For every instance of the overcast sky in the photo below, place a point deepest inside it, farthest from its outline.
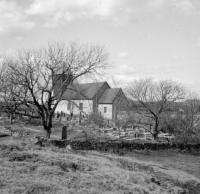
(145, 38)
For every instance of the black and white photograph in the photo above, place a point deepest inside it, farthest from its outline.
(99, 97)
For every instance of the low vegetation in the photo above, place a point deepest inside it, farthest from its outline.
(27, 168)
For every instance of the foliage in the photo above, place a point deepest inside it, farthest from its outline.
(97, 119)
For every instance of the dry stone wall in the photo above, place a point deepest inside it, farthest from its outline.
(117, 146)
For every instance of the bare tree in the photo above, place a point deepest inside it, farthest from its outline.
(47, 72)
(11, 104)
(11, 95)
(188, 117)
(151, 100)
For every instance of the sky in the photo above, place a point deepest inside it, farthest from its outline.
(145, 38)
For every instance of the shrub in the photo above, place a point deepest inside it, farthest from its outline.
(19, 157)
(121, 146)
(97, 119)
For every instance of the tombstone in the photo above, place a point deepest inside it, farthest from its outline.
(64, 132)
(80, 119)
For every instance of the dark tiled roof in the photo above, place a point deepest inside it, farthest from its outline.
(82, 91)
(109, 95)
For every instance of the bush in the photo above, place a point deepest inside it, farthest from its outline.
(20, 157)
(97, 119)
(118, 146)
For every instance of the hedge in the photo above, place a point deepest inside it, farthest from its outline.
(115, 146)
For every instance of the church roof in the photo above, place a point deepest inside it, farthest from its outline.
(82, 91)
(109, 96)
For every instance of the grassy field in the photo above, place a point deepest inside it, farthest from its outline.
(30, 169)
(26, 168)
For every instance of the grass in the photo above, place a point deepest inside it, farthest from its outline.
(29, 169)
(182, 161)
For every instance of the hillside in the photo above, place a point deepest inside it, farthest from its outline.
(29, 169)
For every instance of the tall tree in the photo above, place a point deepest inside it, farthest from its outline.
(151, 100)
(47, 72)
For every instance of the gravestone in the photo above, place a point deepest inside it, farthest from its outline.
(64, 132)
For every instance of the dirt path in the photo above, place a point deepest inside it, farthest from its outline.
(39, 131)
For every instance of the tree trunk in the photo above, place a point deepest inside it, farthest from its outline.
(48, 134)
(155, 132)
(47, 124)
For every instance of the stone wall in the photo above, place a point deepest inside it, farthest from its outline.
(117, 146)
